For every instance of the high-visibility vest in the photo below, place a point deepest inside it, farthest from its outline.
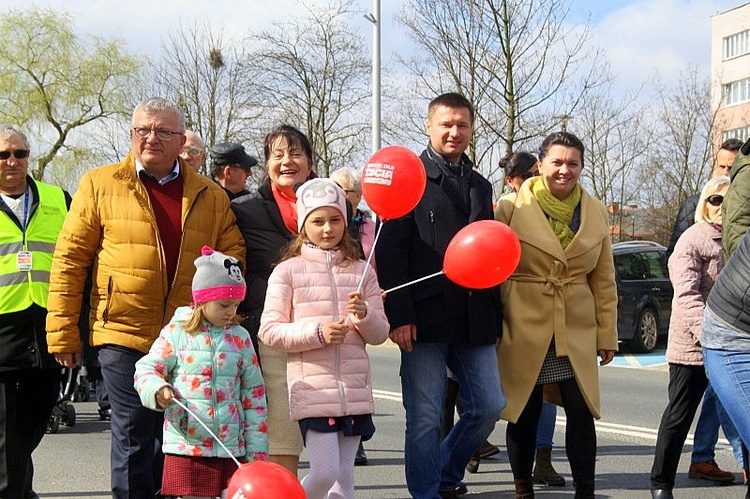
(20, 288)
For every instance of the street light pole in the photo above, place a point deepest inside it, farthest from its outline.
(374, 18)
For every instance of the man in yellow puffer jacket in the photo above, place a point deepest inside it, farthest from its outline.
(138, 225)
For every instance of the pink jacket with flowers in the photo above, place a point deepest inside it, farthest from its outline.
(215, 373)
(312, 289)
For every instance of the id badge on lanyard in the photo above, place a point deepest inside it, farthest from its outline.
(24, 261)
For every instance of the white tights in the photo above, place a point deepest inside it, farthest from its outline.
(223, 496)
(331, 465)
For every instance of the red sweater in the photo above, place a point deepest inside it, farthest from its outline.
(166, 201)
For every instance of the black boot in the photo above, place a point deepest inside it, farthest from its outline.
(543, 471)
(585, 490)
(524, 488)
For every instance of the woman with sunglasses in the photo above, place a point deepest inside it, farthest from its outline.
(693, 268)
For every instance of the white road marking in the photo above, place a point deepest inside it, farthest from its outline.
(648, 434)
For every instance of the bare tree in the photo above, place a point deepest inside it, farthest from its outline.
(209, 76)
(680, 154)
(520, 64)
(55, 82)
(313, 73)
(617, 138)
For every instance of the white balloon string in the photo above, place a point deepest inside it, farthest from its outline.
(413, 282)
(369, 257)
(350, 317)
(195, 416)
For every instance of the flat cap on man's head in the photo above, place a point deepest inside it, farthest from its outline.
(229, 153)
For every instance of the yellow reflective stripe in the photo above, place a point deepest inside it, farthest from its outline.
(11, 248)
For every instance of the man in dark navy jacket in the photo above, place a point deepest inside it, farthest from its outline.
(437, 323)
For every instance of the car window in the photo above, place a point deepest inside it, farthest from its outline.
(656, 264)
(629, 266)
(641, 265)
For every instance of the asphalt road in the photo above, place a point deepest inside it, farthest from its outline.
(74, 463)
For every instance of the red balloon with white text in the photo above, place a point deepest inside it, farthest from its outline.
(393, 182)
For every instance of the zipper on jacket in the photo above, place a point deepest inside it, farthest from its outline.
(340, 386)
(432, 227)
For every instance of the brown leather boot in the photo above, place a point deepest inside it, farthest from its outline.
(524, 488)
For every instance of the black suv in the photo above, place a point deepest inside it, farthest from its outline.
(644, 293)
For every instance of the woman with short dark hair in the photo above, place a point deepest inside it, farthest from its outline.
(560, 311)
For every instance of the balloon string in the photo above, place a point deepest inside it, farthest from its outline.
(350, 317)
(369, 257)
(413, 282)
(208, 430)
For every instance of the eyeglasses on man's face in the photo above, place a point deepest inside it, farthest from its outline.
(715, 199)
(161, 133)
(192, 151)
(18, 154)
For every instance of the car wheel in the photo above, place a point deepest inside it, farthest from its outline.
(646, 332)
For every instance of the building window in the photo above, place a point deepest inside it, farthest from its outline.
(736, 45)
(736, 92)
(742, 133)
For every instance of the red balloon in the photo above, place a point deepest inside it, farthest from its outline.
(393, 181)
(264, 479)
(482, 254)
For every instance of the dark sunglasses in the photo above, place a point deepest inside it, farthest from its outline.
(715, 199)
(527, 175)
(18, 154)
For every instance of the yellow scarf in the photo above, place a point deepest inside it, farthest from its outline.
(559, 212)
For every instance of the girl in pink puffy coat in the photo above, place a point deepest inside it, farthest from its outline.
(315, 313)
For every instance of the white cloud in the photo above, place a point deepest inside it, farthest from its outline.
(664, 35)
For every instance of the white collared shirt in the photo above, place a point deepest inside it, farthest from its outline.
(171, 176)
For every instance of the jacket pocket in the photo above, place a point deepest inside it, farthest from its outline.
(108, 302)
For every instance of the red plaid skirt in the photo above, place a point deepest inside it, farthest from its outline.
(196, 476)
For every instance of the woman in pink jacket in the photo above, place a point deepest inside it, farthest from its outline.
(693, 269)
(315, 312)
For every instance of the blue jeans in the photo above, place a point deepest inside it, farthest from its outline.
(711, 417)
(430, 464)
(729, 374)
(546, 429)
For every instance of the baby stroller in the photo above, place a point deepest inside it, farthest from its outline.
(73, 387)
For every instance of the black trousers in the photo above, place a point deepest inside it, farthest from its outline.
(685, 391)
(580, 435)
(27, 397)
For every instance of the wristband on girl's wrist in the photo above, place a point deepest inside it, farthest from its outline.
(321, 339)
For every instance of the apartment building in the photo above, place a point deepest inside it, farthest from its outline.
(730, 74)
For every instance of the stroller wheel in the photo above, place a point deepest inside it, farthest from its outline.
(70, 415)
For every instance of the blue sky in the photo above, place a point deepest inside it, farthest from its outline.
(638, 36)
